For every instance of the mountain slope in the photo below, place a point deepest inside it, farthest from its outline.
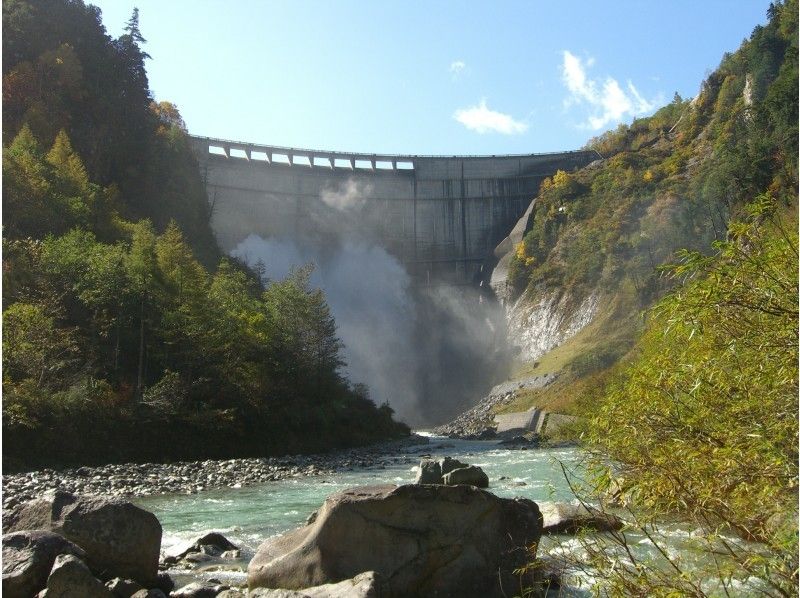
(596, 237)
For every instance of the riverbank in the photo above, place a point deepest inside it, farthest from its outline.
(190, 477)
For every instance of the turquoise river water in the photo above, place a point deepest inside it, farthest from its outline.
(249, 515)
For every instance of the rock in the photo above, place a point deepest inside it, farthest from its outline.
(119, 538)
(213, 544)
(471, 475)
(565, 518)
(449, 464)
(199, 590)
(28, 557)
(212, 547)
(231, 594)
(364, 585)
(151, 593)
(518, 440)
(164, 583)
(430, 472)
(123, 588)
(617, 495)
(71, 578)
(421, 540)
(197, 557)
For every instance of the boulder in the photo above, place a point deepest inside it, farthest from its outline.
(364, 585)
(196, 589)
(211, 544)
(71, 578)
(28, 557)
(123, 588)
(618, 495)
(119, 538)
(152, 593)
(524, 441)
(164, 583)
(485, 434)
(471, 475)
(432, 471)
(449, 464)
(421, 540)
(566, 518)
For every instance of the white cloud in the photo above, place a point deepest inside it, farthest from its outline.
(457, 66)
(608, 101)
(483, 120)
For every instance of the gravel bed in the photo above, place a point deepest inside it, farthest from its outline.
(188, 477)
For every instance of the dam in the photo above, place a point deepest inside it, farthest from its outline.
(440, 216)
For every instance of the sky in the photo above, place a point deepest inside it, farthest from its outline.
(421, 77)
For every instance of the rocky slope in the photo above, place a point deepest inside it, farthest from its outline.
(478, 422)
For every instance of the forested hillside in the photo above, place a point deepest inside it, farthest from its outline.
(125, 336)
(688, 376)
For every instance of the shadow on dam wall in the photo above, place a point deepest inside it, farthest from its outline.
(401, 245)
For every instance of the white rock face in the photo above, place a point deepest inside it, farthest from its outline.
(540, 323)
(538, 326)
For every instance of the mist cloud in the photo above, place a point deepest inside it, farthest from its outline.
(349, 195)
(430, 352)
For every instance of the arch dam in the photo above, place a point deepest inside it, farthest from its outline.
(440, 216)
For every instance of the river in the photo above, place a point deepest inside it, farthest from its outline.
(249, 515)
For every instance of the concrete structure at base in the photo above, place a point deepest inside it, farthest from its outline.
(440, 216)
(532, 420)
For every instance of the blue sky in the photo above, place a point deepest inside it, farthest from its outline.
(425, 77)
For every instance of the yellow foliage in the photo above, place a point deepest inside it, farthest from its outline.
(561, 179)
(647, 176)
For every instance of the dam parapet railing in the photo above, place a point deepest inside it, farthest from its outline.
(210, 147)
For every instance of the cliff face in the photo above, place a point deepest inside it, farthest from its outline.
(542, 319)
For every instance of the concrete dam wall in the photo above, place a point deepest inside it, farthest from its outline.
(440, 216)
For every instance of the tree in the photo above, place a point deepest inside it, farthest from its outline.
(34, 347)
(132, 28)
(142, 269)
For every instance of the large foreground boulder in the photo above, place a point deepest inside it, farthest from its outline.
(28, 557)
(420, 540)
(566, 518)
(119, 538)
